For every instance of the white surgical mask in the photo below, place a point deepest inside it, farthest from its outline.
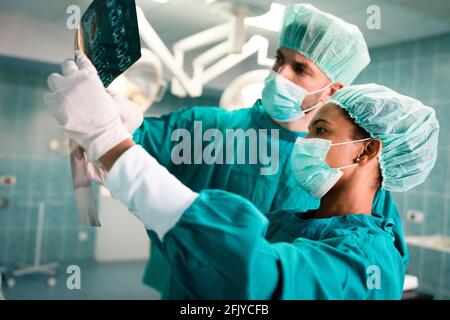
(282, 98)
(310, 168)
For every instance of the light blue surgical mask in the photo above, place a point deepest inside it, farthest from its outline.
(282, 99)
(310, 168)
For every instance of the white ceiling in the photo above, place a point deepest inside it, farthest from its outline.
(401, 20)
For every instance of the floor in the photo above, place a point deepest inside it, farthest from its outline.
(98, 281)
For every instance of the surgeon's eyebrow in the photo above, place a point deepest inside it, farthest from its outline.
(306, 63)
(303, 65)
(316, 123)
(321, 120)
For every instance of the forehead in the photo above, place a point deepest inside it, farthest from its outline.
(294, 55)
(333, 114)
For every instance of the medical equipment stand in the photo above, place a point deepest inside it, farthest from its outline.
(2, 271)
(51, 268)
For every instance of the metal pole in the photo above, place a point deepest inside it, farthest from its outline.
(39, 234)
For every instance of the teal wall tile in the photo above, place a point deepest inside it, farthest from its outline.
(436, 181)
(400, 201)
(376, 57)
(422, 80)
(443, 114)
(440, 78)
(434, 215)
(388, 75)
(446, 275)
(413, 267)
(430, 275)
(406, 52)
(17, 246)
(52, 245)
(405, 77)
(427, 47)
(390, 53)
(443, 44)
(416, 203)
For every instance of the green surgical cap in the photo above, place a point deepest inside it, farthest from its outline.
(338, 48)
(407, 129)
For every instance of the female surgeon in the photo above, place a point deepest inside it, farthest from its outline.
(219, 245)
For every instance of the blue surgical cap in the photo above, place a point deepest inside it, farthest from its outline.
(407, 129)
(337, 47)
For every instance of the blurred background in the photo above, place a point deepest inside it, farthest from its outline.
(410, 53)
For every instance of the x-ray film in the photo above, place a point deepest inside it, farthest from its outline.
(84, 198)
(109, 37)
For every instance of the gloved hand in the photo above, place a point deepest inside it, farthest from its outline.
(83, 108)
(130, 113)
(131, 117)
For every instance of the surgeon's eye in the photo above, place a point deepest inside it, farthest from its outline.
(319, 130)
(299, 69)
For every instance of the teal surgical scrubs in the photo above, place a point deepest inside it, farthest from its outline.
(224, 169)
(223, 247)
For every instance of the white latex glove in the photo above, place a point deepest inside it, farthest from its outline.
(130, 113)
(83, 108)
(131, 117)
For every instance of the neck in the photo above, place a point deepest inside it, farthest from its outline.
(350, 198)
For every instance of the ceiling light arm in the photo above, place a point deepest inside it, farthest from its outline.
(152, 39)
(256, 44)
(182, 85)
(196, 41)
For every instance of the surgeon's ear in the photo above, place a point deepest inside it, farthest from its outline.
(329, 91)
(371, 150)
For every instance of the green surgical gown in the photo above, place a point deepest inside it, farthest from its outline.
(223, 247)
(159, 136)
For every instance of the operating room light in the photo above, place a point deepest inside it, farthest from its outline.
(270, 21)
(243, 91)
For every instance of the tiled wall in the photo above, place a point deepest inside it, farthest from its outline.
(42, 175)
(422, 69)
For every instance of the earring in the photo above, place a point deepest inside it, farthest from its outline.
(357, 159)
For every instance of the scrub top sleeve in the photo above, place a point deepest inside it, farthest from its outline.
(155, 133)
(384, 204)
(218, 250)
(316, 270)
